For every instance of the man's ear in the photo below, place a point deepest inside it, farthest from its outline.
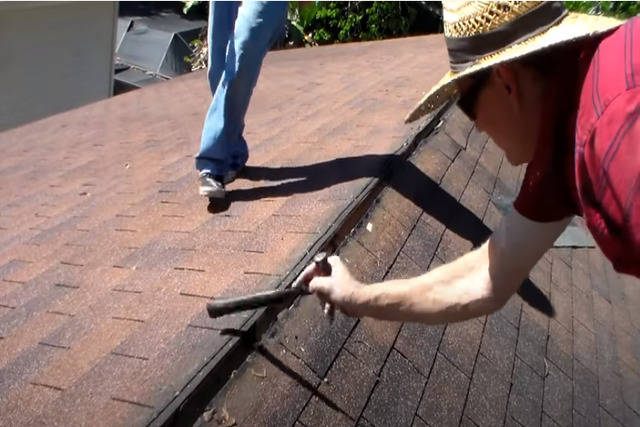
(507, 81)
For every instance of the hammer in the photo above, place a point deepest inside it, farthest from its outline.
(224, 306)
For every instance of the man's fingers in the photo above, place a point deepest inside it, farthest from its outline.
(310, 271)
(307, 274)
(334, 261)
(330, 312)
(320, 285)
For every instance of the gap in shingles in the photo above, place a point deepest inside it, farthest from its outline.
(47, 386)
(172, 216)
(17, 282)
(59, 313)
(258, 273)
(125, 192)
(169, 202)
(188, 249)
(84, 230)
(177, 231)
(190, 295)
(76, 245)
(125, 216)
(237, 231)
(335, 199)
(253, 251)
(10, 307)
(36, 228)
(127, 319)
(129, 356)
(198, 270)
(287, 215)
(72, 264)
(127, 291)
(39, 215)
(64, 285)
(132, 402)
(311, 233)
(166, 191)
(88, 184)
(208, 328)
(126, 230)
(62, 347)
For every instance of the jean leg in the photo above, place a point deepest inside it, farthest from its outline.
(257, 27)
(222, 18)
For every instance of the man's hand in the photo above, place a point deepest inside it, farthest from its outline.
(338, 290)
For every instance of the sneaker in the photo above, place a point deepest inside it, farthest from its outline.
(230, 176)
(233, 173)
(212, 186)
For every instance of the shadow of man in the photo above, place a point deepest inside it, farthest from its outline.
(400, 174)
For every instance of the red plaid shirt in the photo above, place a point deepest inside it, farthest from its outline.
(592, 169)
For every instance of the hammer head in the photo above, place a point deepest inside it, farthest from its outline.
(322, 263)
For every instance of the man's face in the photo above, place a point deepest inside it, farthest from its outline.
(502, 103)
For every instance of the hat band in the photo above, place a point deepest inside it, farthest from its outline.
(464, 51)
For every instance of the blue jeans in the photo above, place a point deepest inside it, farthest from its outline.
(239, 39)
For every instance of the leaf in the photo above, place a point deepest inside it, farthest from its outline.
(307, 13)
(225, 419)
(188, 5)
(262, 374)
(207, 416)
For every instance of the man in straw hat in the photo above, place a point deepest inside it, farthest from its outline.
(557, 90)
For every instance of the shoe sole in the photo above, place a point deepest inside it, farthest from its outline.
(220, 194)
(213, 194)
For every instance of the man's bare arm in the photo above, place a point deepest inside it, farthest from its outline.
(476, 284)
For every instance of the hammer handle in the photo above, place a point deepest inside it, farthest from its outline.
(221, 307)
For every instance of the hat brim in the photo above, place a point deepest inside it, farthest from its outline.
(574, 26)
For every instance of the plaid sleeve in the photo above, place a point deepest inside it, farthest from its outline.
(608, 179)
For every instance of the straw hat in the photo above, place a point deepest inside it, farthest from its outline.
(481, 34)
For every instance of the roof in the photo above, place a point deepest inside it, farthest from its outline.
(515, 367)
(108, 254)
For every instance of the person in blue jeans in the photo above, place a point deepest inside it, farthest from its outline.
(240, 35)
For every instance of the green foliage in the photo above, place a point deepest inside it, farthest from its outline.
(188, 5)
(358, 21)
(615, 9)
(300, 18)
(199, 54)
(322, 22)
